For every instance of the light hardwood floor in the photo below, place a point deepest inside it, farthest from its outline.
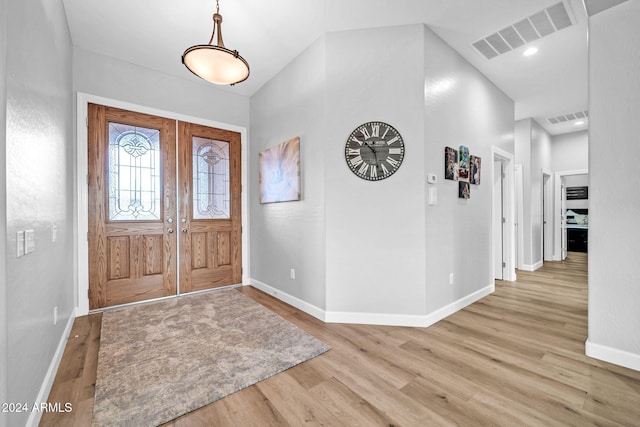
(514, 358)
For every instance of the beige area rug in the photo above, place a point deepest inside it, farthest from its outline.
(160, 360)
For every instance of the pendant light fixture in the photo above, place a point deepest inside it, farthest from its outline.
(216, 63)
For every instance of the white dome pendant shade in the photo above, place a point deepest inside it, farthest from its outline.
(216, 63)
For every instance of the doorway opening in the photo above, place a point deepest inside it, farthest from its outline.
(519, 217)
(503, 216)
(563, 180)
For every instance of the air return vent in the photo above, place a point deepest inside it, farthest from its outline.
(563, 118)
(538, 25)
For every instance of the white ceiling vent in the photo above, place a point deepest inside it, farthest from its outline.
(568, 117)
(541, 24)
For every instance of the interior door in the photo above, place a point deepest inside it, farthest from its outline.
(132, 203)
(209, 208)
(563, 219)
(498, 220)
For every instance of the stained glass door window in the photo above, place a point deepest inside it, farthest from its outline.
(134, 173)
(211, 190)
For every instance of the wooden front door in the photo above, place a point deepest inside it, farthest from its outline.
(132, 205)
(142, 218)
(209, 190)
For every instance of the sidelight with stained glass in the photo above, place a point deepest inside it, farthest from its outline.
(135, 192)
(211, 189)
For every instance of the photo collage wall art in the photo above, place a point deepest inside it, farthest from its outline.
(461, 166)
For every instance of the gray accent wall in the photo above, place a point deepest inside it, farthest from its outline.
(614, 102)
(362, 247)
(39, 192)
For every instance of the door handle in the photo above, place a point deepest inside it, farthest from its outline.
(184, 231)
(170, 231)
(170, 220)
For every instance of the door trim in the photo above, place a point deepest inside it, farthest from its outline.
(548, 207)
(519, 204)
(508, 202)
(81, 219)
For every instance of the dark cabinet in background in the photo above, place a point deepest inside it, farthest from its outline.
(577, 239)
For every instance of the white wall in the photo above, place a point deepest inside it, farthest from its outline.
(581, 180)
(375, 229)
(614, 102)
(39, 191)
(3, 208)
(540, 159)
(461, 107)
(522, 151)
(387, 255)
(292, 234)
(570, 151)
(116, 79)
(533, 152)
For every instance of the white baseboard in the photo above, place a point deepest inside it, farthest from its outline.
(458, 305)
(613, 355)
(532, 267)
(412, 320)
(45, 388)
(415, 320)
(308, 308)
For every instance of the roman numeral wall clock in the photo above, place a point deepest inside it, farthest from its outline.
(374, 151)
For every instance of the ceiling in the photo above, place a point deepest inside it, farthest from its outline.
(269, 35)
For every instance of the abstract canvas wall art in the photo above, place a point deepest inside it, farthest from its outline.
(280, 172)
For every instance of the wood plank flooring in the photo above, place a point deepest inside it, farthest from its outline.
(513, 358)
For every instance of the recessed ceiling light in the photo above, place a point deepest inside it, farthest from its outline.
(578, 123)
(531, 51)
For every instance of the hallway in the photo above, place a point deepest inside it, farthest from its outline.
(515, 357)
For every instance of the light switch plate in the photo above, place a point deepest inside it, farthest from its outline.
(432, 198)
(19, 243)
(29, 241)
(432, 178)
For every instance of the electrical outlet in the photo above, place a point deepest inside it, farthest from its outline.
(55, 314)
(451, 279)
(292, 273)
